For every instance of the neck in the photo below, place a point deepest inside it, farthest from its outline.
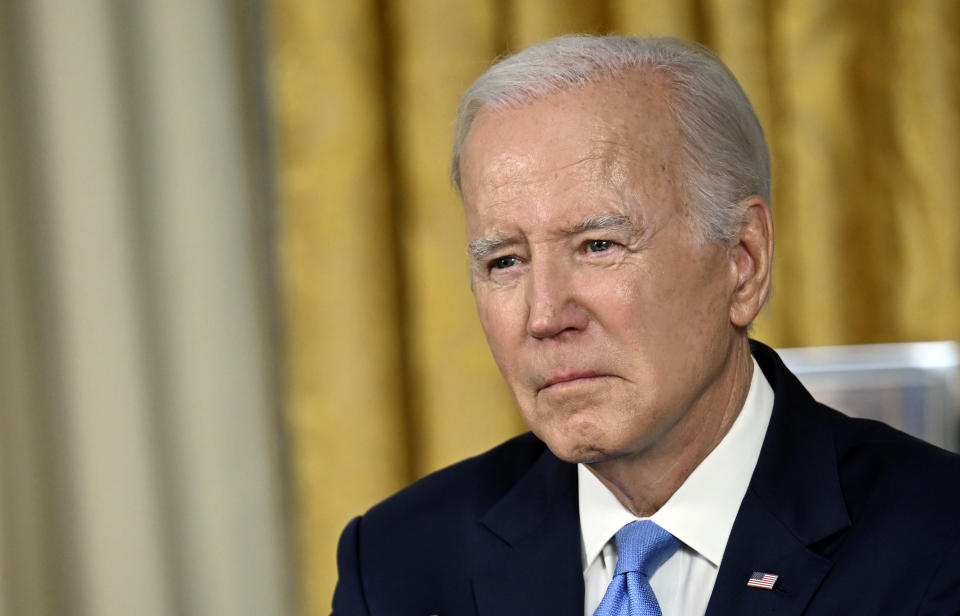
(645, 480)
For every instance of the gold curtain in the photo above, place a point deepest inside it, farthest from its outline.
(387, 373)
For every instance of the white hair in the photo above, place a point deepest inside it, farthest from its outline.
(725, 153)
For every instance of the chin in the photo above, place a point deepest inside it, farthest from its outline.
(582, 455)
(575, 448)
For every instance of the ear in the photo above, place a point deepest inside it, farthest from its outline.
(751, 254)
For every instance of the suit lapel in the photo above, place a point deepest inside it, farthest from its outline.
(760, 542)
(794, 501)
(530, 558)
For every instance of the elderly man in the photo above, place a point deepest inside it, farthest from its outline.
(616, 197)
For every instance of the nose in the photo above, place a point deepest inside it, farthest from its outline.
(553, 308)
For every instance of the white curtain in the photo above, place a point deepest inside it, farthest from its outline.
(140, 461)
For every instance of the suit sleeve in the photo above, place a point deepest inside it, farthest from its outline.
(348, 599)
(943, 593)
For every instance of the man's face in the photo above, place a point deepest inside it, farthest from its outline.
(607, 314)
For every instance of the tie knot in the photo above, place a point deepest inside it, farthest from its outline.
(643, 546)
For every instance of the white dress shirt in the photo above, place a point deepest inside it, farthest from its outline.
(700, 514)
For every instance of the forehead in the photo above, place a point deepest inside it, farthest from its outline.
(614, 138)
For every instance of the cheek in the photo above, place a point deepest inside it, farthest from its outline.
(631, 304)
(502, 322)
(664, 312)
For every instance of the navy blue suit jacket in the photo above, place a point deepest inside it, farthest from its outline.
(855, 518)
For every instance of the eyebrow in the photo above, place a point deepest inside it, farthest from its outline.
(603, 222)
(480, 250)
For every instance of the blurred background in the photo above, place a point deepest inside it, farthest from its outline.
(234, 305)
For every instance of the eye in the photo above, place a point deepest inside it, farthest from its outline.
(502, 263)
(599, 245)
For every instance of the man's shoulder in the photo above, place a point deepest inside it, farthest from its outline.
(435, 525)
(892, 484)
(901, 498)
(461, 491)
(421, 550)
(877, 463)
(863, 446)
(885, 476)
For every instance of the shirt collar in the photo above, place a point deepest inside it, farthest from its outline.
(702, 510)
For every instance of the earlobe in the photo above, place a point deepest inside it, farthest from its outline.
(752, 255)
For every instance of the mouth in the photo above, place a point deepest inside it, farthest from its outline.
(571, 379)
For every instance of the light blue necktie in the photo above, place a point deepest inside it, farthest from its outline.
(643, 547)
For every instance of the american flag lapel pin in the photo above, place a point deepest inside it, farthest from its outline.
(759, 579)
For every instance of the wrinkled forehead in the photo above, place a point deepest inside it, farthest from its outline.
(601, 131)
